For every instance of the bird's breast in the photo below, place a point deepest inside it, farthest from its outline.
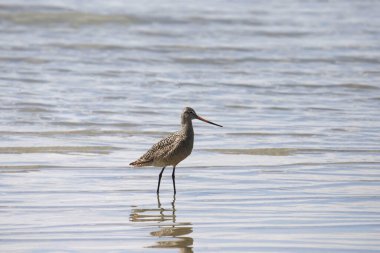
(182, 150)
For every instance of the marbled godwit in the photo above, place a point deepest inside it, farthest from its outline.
(174, 148)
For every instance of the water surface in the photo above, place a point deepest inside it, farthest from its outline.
(86, 88)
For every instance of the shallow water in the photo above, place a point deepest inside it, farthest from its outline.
(86, 88)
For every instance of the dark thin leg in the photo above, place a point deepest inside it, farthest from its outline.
(158, 201)
(173, 177)
(159, 180)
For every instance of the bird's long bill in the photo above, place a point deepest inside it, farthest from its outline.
(205, 120)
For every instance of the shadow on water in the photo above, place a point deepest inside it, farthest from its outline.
(171, 234)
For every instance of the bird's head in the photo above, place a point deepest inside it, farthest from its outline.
(189, 114)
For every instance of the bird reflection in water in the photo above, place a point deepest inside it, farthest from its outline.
(171, 234)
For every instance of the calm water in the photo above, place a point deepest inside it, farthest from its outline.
(86, 88)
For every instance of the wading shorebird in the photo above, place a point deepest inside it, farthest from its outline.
(172, 149)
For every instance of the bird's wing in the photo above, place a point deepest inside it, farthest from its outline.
(176, 147)
(163, 147)
(157, 150)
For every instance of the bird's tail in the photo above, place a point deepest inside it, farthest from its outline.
(141, 163)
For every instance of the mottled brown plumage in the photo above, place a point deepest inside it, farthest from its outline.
(174, 148)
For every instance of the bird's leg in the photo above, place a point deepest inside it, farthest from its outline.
(159, 180)
(173, 177)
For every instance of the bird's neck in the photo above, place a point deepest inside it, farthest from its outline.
(187, 127)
